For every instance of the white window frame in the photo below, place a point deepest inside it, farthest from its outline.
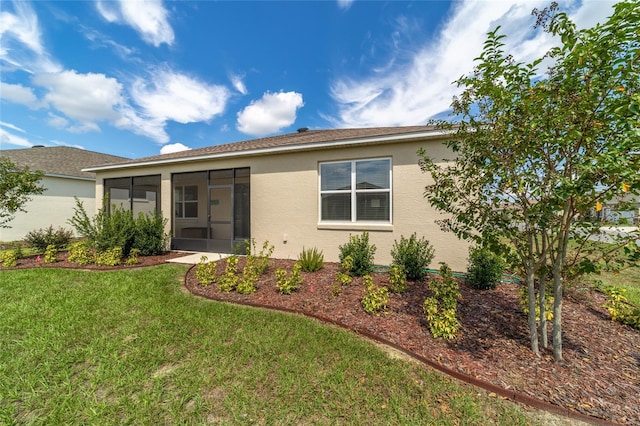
(183, 201)
(354, 193)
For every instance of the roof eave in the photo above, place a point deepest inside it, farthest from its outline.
(276, 150)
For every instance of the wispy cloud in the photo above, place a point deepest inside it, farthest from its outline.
(238, 83)
(344, 4)
(410, 90)
(269, 114)
(8, 138)
(21, 45)
(148, 17)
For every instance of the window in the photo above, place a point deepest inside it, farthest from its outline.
(137, 194)
(186, 201)
(356, 191)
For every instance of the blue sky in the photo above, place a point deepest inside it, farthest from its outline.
(139, 78)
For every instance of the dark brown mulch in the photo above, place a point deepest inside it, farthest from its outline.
(599, 377)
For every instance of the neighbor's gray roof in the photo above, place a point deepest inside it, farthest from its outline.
(309, 139)
(59, 160)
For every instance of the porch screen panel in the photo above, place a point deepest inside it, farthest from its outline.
(241, 204)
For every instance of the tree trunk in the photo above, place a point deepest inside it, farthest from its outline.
(533, 332)
(542, 293)
(557, 314)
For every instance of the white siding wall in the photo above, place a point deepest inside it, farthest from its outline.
(54, 207)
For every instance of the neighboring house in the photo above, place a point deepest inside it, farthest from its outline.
(308, 189)
(63, 180)
(625, 210)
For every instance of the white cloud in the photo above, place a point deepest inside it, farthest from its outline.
(19, 94)
(12, 127)
(274, 111)
(86, 98)
(413, 90)
(238, 83)
(21, 44)
(148, 17)
(345, 4)
(12, 139)
(177, 97)
(57, 121)
(173, 147)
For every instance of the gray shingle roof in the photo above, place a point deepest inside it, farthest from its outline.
(300, 140)
(59, 160)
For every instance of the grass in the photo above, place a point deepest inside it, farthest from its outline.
(88, 347)
(628, 279)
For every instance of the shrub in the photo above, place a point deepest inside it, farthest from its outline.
(485, 268)
(619, 307)
(376, 298)
(205, 271)
(247, 284)
(287, 285)
(258, 261)
(51, 254)
(229, 280)
(132, 259)
(9, 259)
(361, 252)
(397, 279)
(118, 228)
(342, 276)
(81, 253)
(414, 255)
(548, 302)
(42, 238)
(150, 237)
(109, 257)
(311, 260)
(440, 310)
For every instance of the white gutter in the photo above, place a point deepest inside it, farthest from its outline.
(69, 177)
(274, 150)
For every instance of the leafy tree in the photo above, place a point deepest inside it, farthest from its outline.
(17, 185)
(537, 153)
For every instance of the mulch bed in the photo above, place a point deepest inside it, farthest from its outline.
(599, 377)
(63, 262)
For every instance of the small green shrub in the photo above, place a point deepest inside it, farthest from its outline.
(336, 289)
(42, 238)
(397, 279)
(51, 254)
(361, 252)
(9, 259)
(109, 257)
(342, 276)
(376, 298)
(247, 283)
(619, 307)
(228, 281)
(414, 255)
(81, 253)
(311, 260)
(205, 271)
(440, 310)
(132, 259)
(289, 284)
(150, 238)
(258, 261)
(485, 268)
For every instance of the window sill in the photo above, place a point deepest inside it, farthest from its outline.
(383, 227)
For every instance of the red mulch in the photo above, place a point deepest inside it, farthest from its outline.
(63, 262)
(599, 377)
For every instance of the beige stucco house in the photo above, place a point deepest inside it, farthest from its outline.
(63, 180)
(312, 188)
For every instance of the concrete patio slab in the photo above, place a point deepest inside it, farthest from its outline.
(194, 258)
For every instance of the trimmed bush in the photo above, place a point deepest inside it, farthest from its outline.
(42, 238)
(361, 253)
(51, 254)
(205, 271)
(9, 258)
(150, 238)
(414, 255)
(81, 253)
(109, 257)
(485, 268)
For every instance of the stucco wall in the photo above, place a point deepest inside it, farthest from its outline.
(54, 207)
(285, 197)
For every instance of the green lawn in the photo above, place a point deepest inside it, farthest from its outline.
(131, 347)
(627, 278)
